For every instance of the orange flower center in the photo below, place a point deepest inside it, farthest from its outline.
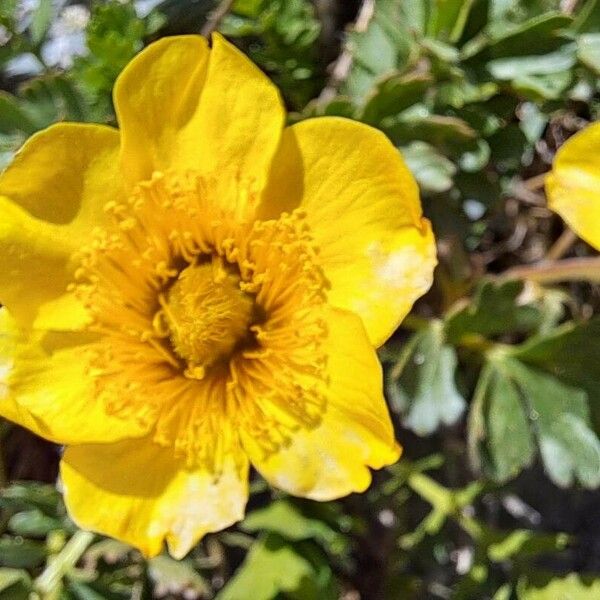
(205, 314)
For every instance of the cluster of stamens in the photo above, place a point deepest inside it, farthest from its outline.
(204, 315)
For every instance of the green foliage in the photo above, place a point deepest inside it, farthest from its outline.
(422, 383)
(114, 36)
(493, 310)
(283, 36)
(571, 587)
(511, 396)
(293, 522)
(273, 567)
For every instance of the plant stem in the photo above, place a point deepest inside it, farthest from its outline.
(562, 245)
(215, 18)
(570, 269)
(48, 583)
(343, 64)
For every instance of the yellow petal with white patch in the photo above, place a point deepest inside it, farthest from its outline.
(573, 185)
(332, 459)
(110, 489)
(363, 208)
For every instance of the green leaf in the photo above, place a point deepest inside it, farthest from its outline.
(13, 117)
(508, 146)
(587, 18)
(33, 523)
(179, 577)
(272, 567)
(384, 47)
(375, 50)
(499, 437)
(570, 353)
(113, 36)
(81, 591)
(494, 310)
(588, 51)
(30, 495)
(9, 144)
(503, 593)
(451, 135)
(509, 68)
(550, 587)
(449, 19)
(421, 385)
(15, 584)
(286, 518)
(538, 35)
(7, 11)
(339, 107)
(433, 171)
(543, 87)
(393, 95)
(533, 121)
(459, 93)
(40, 23)
(570, 450)
(18, 553)
(523, 543)
(109, 550)
(440, 51)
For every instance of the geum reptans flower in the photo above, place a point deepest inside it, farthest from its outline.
(573, 185)
(203, 290)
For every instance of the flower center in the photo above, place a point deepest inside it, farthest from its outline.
(206, 314)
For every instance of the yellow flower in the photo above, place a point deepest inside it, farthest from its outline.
(203, 290)
(573, 186)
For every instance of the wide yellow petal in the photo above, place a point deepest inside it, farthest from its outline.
(363, 207)
(51, 197)
(156, 96)
(181, 106)
(573, 186)
(240, 117)
(332, 460)
(9, 409)
(35, 261)
(139, 492)
(66, 174)
(46, 386)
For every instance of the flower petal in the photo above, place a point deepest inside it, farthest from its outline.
(51, 196)
(181, 106)
(9, 409)
(46, 386)
(65, 174)
(240, 117)
(573, 186)
(363, 207)
(156, 96)
(35, 261)
(355, 432)
(137, 491)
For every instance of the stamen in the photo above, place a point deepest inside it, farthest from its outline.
(207, 313)
(208, 321)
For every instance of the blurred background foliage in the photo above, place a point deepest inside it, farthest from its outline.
(493, 380)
